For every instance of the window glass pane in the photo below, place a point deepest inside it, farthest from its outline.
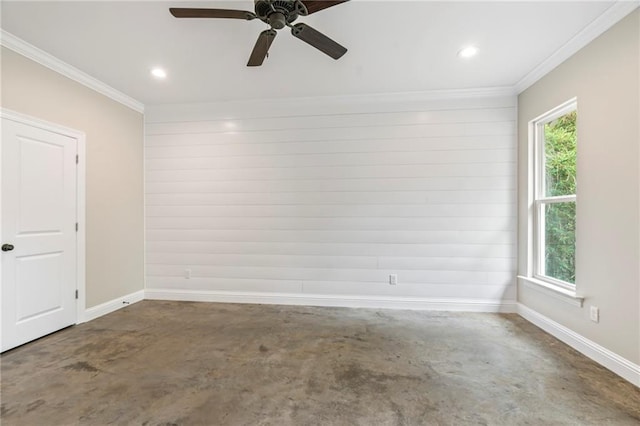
(560, 155)
(560, 241)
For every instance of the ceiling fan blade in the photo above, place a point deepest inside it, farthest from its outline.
(318, 5)
(261, 48)
(318, 40)
(180, 12)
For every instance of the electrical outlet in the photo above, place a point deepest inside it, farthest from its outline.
(594, 313)
(393, 279)
(187, 274)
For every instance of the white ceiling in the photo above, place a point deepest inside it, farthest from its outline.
(394, 46)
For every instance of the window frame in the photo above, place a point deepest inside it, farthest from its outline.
(539, 200)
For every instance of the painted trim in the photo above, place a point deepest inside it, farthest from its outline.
(27, 50)
(81, 218)
(603, 356)
(113, 305)
(413, 303)
(254, 108)
(144, 203)
(549, 289)
(39, 123)
(598, 26)
(80, 138)
(390, 97)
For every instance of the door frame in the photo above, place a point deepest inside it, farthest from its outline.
(80, 137)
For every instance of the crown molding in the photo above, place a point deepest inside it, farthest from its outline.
(602, 23)
(331, 105)
(426, 95)
(27, 50)
(385, 97)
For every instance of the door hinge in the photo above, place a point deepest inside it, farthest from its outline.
(77, 159)
(76, 294)
(76, 226)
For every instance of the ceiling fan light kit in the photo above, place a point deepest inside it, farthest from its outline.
(277, 14)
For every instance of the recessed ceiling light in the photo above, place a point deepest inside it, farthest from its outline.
(159, 73)
(468, 52)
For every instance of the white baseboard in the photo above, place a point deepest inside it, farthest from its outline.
(113, 305)
(603, 356)
(415, 303)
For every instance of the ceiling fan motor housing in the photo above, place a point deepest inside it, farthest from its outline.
(278, 13)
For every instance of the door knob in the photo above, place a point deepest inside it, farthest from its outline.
(7, 247)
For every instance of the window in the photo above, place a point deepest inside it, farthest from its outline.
(554, 196)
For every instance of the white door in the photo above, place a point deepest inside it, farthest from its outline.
(38, 233)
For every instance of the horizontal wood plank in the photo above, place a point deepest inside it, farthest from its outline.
(331, 199)
(475, 251)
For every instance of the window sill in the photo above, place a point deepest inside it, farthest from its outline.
(563, 294)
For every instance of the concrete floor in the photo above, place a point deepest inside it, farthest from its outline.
(166, 363)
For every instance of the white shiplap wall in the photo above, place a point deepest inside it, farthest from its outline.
(322, 199)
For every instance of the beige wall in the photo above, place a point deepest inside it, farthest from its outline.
(114, 169)
(604, 76)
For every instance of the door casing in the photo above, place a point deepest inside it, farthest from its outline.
(80, 198)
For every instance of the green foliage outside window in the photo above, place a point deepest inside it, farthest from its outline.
(560, 179)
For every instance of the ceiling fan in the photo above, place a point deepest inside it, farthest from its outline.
(277, 14)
